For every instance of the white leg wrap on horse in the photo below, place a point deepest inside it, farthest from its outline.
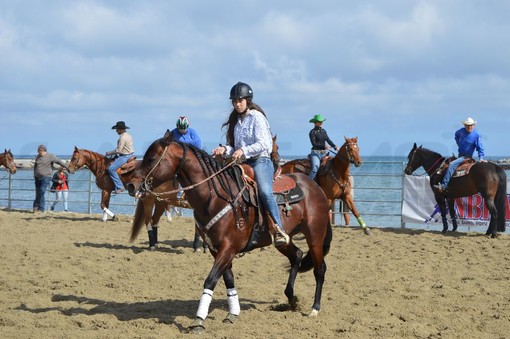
(104, 217)
(149, 226)
(233, 301)
(107, 211)
(205, 301)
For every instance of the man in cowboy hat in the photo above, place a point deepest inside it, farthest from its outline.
(468, 139)
(123, 152)
(318, 138)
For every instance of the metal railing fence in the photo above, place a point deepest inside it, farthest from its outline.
(377, 194)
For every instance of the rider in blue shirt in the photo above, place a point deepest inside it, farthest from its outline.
(184, 133)
(468, 139)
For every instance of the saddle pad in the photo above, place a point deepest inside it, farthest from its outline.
(291, 197)
(128, 166)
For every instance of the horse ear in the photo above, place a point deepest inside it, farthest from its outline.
(75, 148)
(421, 146)
(168, 136)
(414, 146)
(274, 138)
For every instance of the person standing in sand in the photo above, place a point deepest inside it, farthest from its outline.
(42, 175)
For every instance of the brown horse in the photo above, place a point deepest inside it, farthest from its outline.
(334, 177)
(485, 178)
(7, 160)
(98, 165)
(223, 202)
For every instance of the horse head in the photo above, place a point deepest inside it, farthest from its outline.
(77, 160)
(157, 166)
(413, 160)
(9, 161)
(352, 150)
(275, 156)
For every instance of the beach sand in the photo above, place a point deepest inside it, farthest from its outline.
(67, 275)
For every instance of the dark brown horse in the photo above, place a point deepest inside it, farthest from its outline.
(334, 179)
(228, 220)
(7, 160)
(98, 165)
(485, 178)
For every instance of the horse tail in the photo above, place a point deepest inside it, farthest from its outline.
(138, 220)
(500, 200)
(307, 263)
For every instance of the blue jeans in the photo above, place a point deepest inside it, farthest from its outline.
(41, 185)
(315, 157)
(264, 170)
(117, 163)
(449, 171)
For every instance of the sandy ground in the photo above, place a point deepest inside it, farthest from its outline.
(66, 275)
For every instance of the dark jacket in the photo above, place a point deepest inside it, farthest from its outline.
(318, 138)
(55, 180)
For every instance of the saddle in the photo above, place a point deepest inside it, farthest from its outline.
(305, 165)
(286, 192)
(461, 170)
(128, 166)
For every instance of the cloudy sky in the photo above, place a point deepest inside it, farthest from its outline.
(391, 72)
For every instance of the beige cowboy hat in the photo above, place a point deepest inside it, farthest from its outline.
(469, 121)
(317, 118)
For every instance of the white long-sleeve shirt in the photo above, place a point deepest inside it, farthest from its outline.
(253, 135)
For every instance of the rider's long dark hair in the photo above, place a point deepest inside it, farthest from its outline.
(234, 116)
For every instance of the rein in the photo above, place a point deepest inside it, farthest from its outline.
(148, 180)
(349, 157)
(92, 163)
(432, 168)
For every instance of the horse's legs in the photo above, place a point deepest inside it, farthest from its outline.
(319, 271)
(453, 215)
(442, 207)
(234, 308)
(492, 230)
(349, 201)
(158, 212)
(222, 262)
(105, 202)
(294, 254)
(148, 204)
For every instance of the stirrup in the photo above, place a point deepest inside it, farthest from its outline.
(281, 238)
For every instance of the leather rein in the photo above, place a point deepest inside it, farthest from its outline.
(92, 163)
(147, 182)
(350, 158)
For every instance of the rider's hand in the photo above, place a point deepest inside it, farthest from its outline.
(238, 154)
(337, 148)
(219, 150)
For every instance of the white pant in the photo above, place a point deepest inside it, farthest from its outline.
(59, 195)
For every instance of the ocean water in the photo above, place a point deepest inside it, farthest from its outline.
(377, 192)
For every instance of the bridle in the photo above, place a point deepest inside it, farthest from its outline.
(75, 162)
(431, 169)
(349, 147)
(148, 179)
(9, 162)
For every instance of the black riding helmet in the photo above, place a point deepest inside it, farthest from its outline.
(240, 91)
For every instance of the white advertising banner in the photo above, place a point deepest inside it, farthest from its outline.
(419, 205)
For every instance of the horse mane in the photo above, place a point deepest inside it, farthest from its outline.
(431, 151)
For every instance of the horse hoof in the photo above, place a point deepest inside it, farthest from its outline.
(197, 326)
(314, 313)
(367, 231)
(230, 319)
(152, 248)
